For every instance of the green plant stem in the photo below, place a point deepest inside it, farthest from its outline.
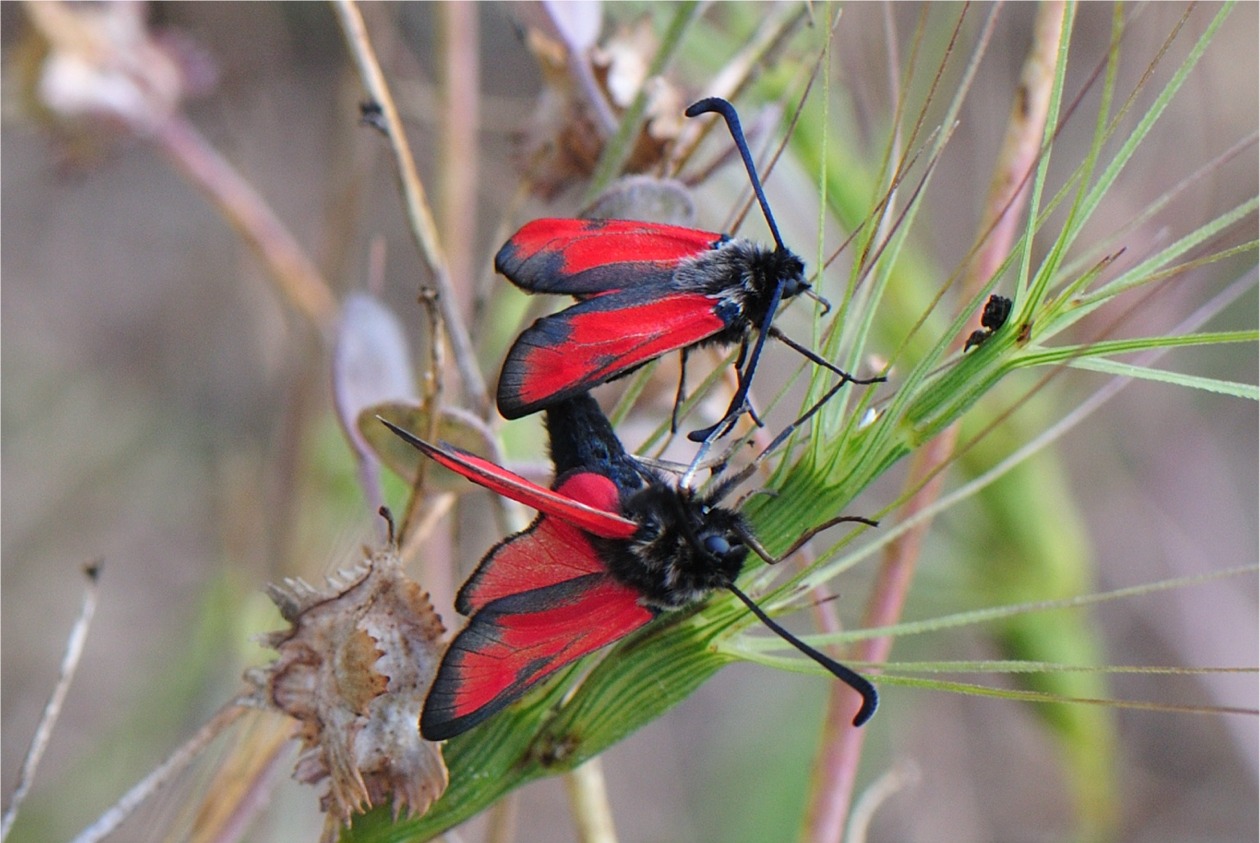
(836, 773)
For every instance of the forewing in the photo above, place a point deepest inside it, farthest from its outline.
(597, 340)
(584, 257)
(593, 506)
(514, 643)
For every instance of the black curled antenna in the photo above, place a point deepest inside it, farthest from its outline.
(718, 105)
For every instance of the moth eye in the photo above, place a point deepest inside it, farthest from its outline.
(717, 545)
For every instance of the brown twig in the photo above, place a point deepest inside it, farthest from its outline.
(422, 226)
(123, 56)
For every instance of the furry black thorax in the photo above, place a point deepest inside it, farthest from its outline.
(684, 548)
(744, 276)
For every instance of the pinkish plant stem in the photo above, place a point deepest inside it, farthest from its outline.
(299, 280)
(460, 153)
(836, 772)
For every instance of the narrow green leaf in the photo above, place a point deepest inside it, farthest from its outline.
(1129, 370)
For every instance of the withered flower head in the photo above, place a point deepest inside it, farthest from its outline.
(354, 669)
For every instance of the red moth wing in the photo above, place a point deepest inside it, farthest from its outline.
(583, 257)
(596, 513)
(553, 550)
(597, 340)
(516, 642)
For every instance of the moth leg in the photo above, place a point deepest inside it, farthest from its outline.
(820, 361)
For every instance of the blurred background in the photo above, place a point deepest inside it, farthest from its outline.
(167, 411)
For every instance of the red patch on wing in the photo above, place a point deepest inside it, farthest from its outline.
(583, 257)
(597, 340)
(593, 505)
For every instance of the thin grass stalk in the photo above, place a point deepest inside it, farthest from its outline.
(837, 771)
(52, 710)
(1216, 305)
(243, 783)
(161, 775)
(419, 215)
(617, 150)
(588, 800)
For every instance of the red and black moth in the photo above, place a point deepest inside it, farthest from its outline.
(614, 545)
(644, 289)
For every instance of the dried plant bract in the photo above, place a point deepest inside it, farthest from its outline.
(354, 668)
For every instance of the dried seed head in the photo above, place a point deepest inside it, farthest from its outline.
(354, 669)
